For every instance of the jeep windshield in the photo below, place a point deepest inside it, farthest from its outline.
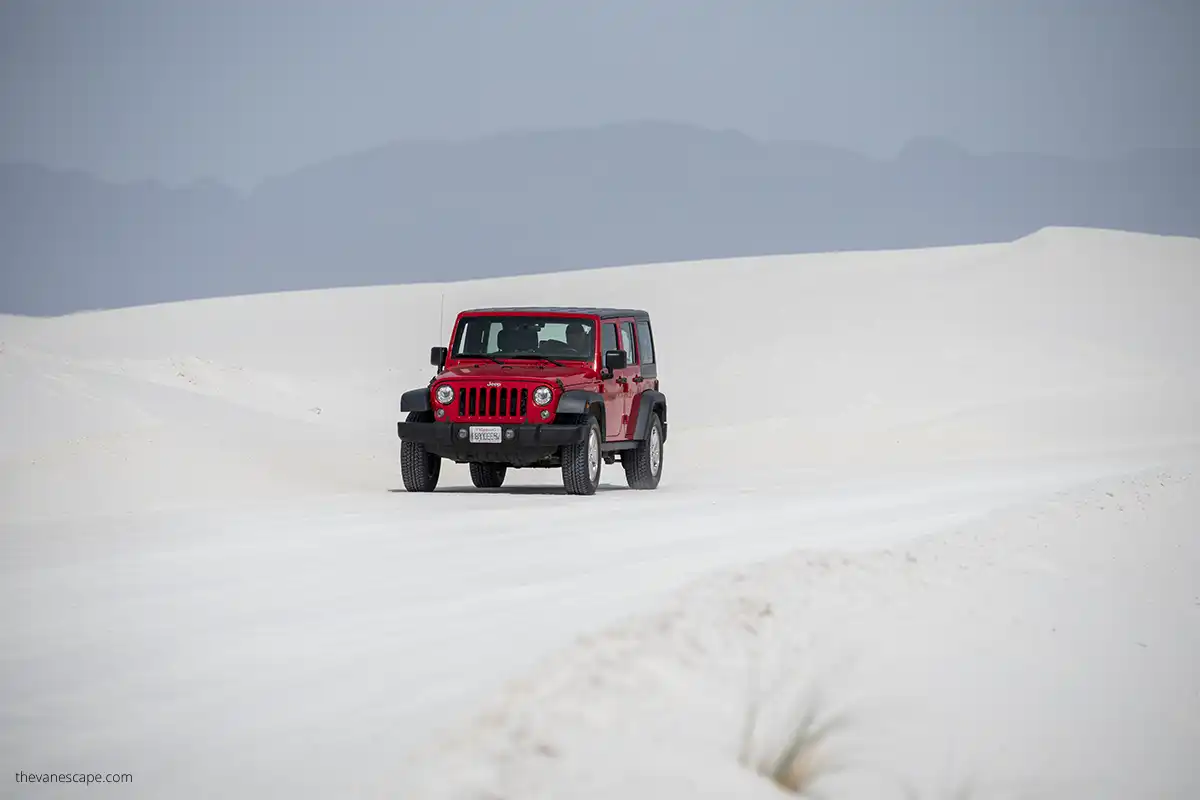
(554, 339)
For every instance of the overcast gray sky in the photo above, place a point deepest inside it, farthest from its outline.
(241, 89)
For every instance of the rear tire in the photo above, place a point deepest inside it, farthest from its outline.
(581, 462)
(488, 476)
(419, 468)
(643, 466)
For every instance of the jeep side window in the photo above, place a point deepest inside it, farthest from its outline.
(627, 342)
(645, 341)
(608, 338)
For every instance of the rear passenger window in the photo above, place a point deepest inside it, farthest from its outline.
(608, 338)
(645, 342)
(627, 341)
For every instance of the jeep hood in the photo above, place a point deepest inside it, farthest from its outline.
(523, 370)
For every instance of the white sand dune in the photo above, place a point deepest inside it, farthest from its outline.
(1049, 650)
(962, 480)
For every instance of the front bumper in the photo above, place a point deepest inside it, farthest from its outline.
(519, 443)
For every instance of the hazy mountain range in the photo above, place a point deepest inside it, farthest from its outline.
(548, 201)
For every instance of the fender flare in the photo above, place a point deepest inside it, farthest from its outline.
(646, 403)
(580, 401)
(415, 400)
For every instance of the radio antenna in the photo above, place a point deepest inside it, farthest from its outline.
(438, 338)
(441, 318)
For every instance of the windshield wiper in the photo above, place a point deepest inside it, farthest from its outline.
(483, 355)
(535, 355)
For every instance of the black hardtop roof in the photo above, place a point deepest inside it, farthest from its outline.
(603, 313)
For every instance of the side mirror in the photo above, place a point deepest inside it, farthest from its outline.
(614, 360)
(437, 357)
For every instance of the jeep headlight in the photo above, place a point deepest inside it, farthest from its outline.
(444, 394)
(542, 395)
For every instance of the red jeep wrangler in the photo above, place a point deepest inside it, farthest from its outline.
(539, 387)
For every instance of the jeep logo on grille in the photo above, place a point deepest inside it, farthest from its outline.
(494, 383)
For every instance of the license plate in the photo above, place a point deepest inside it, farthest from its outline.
(485, 435)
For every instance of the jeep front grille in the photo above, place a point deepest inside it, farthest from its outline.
(491, 402)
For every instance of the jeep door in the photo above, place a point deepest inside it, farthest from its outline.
(646, 378)
(633, 374)
(615, 386)
(628, 379)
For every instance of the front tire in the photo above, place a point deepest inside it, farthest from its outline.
(488, 476)
(581, 462)
(643, 466)
(419, 468)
